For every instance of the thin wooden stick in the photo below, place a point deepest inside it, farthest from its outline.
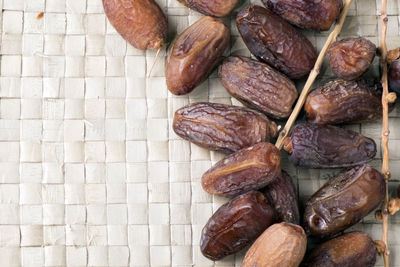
(154, 62)
(313, 75)
(385, 130)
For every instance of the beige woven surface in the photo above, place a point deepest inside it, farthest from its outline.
(90, 172)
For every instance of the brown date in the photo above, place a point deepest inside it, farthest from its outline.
(327, 146)
(354, 249)
(222, 128)
(247, 169)
(351, 57)
(281, 245)
(194, 54)
(215, 8)
(276, 42)
(258, 86)
(342, 101)
(140, 23)
(344, 201)
(394, 76)
(309, 14)
(281, 194)
(235, 225)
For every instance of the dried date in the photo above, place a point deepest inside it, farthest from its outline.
(140, 23)
(326, 146)
(309, 14)
(281, 194)
(216, 8)
(394, 76)
(351, 57)
(282, 244)
(344, 201)
(222, 127)
(194, 54)
(247, 169)
(354, 249)
(235, 225)
(258, 86)
(276, 42)
(342, 101)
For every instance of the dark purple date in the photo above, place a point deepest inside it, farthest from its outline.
(326, 146)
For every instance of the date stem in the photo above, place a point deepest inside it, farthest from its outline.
(154, 62)
(385, 129)
(313, 75)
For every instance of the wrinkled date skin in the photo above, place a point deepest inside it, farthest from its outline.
(247, 169)
(342, 101)
(140, 23)
(194, 54)
(354, 249)
(327, 146)
(222, 128)
(309, 14)
(351, 57)
(281, 194)
(258, 86)
(276, 42)
(281, 245)
(215, 8)
(344, 201)
(394, 76)
(235, 225)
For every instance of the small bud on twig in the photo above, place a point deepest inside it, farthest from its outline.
(391, 97)
(394, 206)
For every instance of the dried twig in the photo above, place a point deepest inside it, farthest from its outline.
(313, 75)
(385, 130)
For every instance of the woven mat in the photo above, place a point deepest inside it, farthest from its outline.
(91, 173)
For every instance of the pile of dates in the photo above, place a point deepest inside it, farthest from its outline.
(263, 210)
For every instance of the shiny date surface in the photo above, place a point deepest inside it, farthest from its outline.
(275, 41)
(194, 54)
(344, 201)
(258, 86)
(354, 249)
(247, 169)
(222, 127)
(342, 101)
(216, 8)
(326, 146)
(235, 225)
(350, 58)
(309, 14)
(281, 194)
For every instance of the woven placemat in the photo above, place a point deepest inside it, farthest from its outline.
(91, 173)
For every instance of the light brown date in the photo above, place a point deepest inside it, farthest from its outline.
(247, 169)
(235, 225)
(354, 249)
(222, 127)
(140, 23)
(194, 54)
(351, 57)
(276, 42)
(342, 101)
(282, 244)
(344, 201)
(215, 8)
(258, 86)
(281, 194)
(309, 14)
